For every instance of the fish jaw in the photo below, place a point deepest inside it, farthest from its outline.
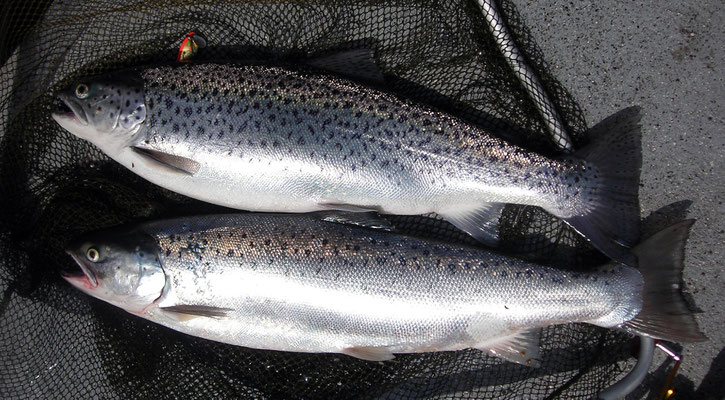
(86, 281)
(78, 126)
(76, 111)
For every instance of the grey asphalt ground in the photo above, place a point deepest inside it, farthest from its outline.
(668, 58)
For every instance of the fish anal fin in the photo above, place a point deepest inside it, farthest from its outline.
(186, 312)
(174, 163)
(353, 208)
(480, 221)
(369, 353)
(521, 347)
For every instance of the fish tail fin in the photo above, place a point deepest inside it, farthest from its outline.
(664, 314)
(611, 186)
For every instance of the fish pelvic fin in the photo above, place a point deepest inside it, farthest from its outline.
(521, 347)
(480, 221)
(664, 313)
(369, 353)
(612, 163)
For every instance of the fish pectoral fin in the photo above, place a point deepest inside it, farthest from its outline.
(481, 221)
(522, 347)
(355, 63)
(369, 353)
(364, 219)
(168, 161)
(185, 312)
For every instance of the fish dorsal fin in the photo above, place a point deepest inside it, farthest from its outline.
(185, 312)
(365, 219)
(480, 222)
(369, 353)
(160, 159)
(356, 63)
(521, 347)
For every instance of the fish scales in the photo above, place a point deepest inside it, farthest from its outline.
(275, 125)
(283, 139)
(307, 285)
(304, 284)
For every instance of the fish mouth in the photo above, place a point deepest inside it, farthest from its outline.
(70, 108)
(85, 277)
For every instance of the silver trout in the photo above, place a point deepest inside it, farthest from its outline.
(277, 139)
(303, 284)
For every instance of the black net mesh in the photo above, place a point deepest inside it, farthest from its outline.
(56, 342)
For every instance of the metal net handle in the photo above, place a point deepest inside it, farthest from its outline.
(563, 142)
(526, 76)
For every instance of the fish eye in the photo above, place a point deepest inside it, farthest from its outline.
(93, 255)
(82, 91)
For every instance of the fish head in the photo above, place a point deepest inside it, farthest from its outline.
(123, 269)
(106, 111)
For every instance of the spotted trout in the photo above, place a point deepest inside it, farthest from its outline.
(282, 139)
(305, 284)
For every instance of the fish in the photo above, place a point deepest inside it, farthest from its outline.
(328, 283)
(269, 138)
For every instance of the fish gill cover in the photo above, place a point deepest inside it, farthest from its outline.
(56, 342)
